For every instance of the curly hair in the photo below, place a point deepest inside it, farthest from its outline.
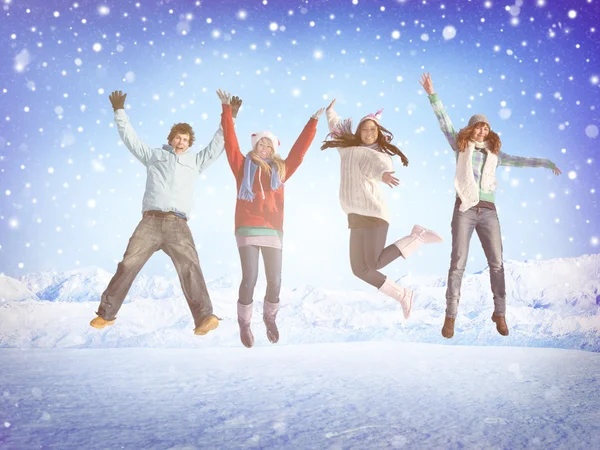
(182, 128)
(343, 137)
(265, 167)
(464, 136)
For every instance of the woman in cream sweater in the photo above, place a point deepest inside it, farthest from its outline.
(366, 161)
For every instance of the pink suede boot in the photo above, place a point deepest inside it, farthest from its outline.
(402, 295)
(244, 313)
(417, 237)
(269, 315)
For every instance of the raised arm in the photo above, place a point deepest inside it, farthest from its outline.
(136, 146)
(235, 158)
(504, 159)
(296, 155)
(439, 111)
(332, 117)
(213, 150)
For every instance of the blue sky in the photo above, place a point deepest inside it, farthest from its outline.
(71, 194)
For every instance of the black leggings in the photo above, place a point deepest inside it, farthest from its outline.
(367, 253)
(249, 258)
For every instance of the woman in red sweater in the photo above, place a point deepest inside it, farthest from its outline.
(260, 177)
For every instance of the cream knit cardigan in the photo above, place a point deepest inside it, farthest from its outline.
(464, 180)
(362, 169)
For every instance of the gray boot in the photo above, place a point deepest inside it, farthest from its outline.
(269, 315)
(244, 313)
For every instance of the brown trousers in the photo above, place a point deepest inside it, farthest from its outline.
(368, 255)
(172, 235)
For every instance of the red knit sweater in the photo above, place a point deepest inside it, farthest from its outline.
(267, 212)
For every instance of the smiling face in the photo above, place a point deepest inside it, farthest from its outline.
(369, 131)
(180, 143)
(480, 132)
(264, 148)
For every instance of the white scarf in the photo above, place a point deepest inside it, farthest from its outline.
(464, 180)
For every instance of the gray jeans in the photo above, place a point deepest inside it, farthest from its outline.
(171, 235)
(272, 257)
(367, 253)
(485, 222)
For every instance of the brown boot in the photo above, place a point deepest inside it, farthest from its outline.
(500, 324)
(448, 328)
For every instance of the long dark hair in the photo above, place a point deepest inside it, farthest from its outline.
(343, 137)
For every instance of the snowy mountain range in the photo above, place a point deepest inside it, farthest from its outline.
(553, 303)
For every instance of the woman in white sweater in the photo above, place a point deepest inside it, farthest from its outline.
(366, 161)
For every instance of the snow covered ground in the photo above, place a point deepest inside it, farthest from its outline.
(322, 396)
(348, 373)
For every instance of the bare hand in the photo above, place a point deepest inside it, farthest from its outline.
(224, 97)
(427, 84)
(389, 179)
(331, 105)
(117, 100)
(318, 113)
(236, 102)
(556, 171)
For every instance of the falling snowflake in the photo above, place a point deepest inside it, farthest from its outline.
(449, 32)
(103, 10)
(591, 131)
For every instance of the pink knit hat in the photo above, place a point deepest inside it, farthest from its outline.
(374, 117)
(265, 134)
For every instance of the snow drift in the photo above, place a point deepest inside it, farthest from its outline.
(553, 303)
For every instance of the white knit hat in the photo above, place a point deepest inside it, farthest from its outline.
(265, 134)
(478, 118)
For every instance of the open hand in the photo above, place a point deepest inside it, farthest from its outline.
(117, 100)
(556, 171)
(318, 114)
(224, 97)
(427, 84)
(236, 103)
(389, 179)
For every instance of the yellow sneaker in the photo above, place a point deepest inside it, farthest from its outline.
(100, 323)
(208, 324)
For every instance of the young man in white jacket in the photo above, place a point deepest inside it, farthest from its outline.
(171, 173)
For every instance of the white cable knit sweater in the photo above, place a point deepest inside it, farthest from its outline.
(362, 169)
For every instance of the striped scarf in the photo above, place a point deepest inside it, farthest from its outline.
(250, 167)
